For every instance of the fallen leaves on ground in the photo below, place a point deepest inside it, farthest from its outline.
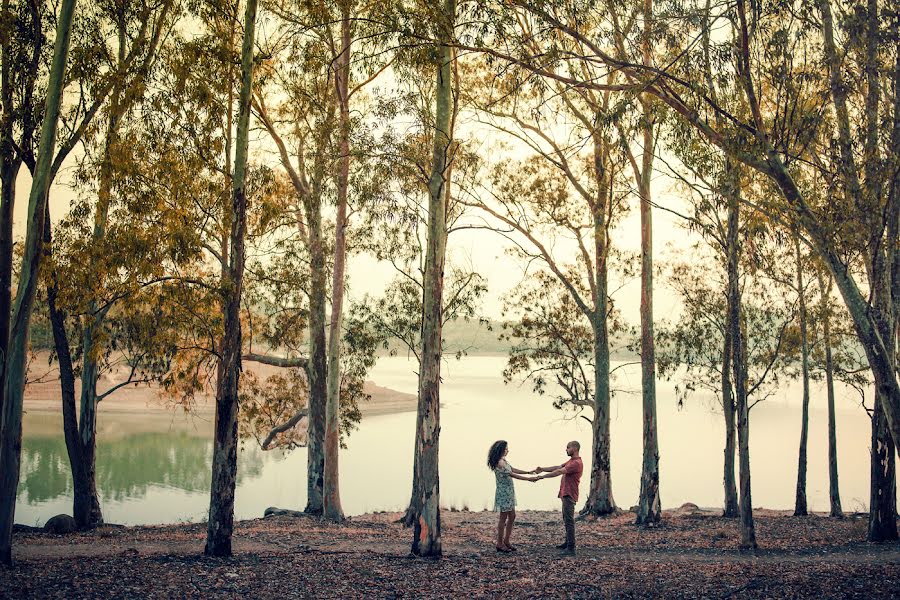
(690, 554)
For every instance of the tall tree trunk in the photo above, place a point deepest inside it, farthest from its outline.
(738, 361)
(883, 483)
(649, 505)
(10, 162)
(426, 497)
(14, 382)
(600, 499)
(317, 370)
(731, 497)
(834, 492)
(224, 464)
(878, 348)
(800, 508)
(86, 503)
(331, 492)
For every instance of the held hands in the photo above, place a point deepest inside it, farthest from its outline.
(535, 470)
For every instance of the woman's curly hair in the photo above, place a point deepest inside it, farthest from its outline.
(496, 452)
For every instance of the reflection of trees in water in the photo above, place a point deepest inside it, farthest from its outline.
(128, 466)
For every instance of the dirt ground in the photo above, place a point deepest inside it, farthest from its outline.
(691, 554)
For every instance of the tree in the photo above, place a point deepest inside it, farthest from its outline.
(834, 492)
(14, 373)
(570, 188)
(800, 496)
(426, 498)
(105, 252)
(765, 137)
(224, 464)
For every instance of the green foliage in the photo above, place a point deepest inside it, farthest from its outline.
(553, 343)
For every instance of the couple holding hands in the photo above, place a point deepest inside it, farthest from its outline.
(505, 499)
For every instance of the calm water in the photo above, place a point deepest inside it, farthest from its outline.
(157, 469)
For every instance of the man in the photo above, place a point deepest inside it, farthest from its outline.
(568, 492)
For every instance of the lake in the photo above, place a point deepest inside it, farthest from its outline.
(156, 468)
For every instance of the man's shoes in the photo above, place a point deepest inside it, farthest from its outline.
(563, 546)
(567, 551)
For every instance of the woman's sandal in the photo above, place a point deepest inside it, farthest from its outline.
(504, 550)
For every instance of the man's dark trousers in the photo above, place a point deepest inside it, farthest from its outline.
(568, 511)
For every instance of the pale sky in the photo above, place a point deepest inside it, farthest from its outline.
(484, 250)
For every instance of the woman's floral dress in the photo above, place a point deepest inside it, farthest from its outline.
(505, 499)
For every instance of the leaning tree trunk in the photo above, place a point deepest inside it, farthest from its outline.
(649, 504)
(10, 163)
(86, 503)
(738, 364)
(331, 494)
(224, 466)
(800, 508)
(883, 483)
(14, 380)
(834, 492)
(426, 500)
(317, 371)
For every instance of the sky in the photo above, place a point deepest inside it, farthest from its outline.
(486, 251)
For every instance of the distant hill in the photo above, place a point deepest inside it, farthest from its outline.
(473, 337)
(481, 337)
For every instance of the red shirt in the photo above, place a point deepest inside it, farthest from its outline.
(571, 478)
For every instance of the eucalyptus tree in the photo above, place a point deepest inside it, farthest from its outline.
(323, 61)
(399, 226)
(569, 188)
(224, 460)
(13, 380)
(425, 504)
(826, 288)
(98, 255)
(692, 348)
(93, 74)
(780, 126)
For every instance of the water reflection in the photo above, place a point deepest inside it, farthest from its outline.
(156, 468)
(127, 466)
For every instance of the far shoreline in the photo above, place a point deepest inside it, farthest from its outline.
(42, 394)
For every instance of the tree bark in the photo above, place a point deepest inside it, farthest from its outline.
(331, 494)
(739, 371)
(649, 505)
(10, 163)
(426, 495)
(834, 492)
(600, 499)
(883, 483)
(224, 465)
(317, 370)
(731, 497)
(800, 507)
(86, 504)
(14, 382)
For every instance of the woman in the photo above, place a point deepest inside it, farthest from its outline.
(505, 498)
